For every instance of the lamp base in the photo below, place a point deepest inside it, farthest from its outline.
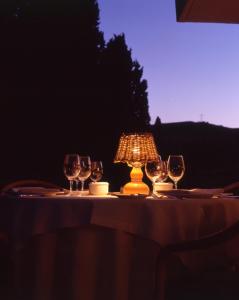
(136, 188)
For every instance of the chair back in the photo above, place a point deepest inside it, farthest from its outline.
(232, 188)
(206, 268)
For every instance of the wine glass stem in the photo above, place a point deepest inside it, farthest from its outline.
(77, 184)
(71, 185)
(176, 185)
(82, 185)
(153, 183)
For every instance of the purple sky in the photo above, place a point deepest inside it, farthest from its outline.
(192, 69)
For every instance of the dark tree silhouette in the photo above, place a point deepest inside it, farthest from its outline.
(126, 92)
(50, 67)
(140, 108)
(64, 90)
(156, 129)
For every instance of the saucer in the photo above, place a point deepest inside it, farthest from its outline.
(121, 195)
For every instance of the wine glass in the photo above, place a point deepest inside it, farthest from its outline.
(71, 168)
(85, 170)
(176, 168)
(164, 172)
(153, 170)
(96, 170)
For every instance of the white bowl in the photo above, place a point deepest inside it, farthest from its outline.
(99, 188)
(163, 186)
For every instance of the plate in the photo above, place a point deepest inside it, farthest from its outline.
(138, 196)
(195, 193)
(37, 191)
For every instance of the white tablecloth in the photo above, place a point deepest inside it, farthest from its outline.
(85, 262)
(165, 221)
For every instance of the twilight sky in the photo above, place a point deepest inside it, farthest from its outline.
(192, 69)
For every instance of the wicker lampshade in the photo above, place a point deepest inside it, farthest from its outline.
(136, 149)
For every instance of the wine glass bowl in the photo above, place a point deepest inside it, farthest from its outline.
(163, 175)
(176, 168)
(96, 171)
(85, 170)
(153, 171)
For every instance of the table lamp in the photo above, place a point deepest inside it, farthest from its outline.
(136, 149)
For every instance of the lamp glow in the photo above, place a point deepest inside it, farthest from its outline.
(136, 149)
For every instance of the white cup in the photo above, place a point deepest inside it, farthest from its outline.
(99, 188)
(163, 186)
